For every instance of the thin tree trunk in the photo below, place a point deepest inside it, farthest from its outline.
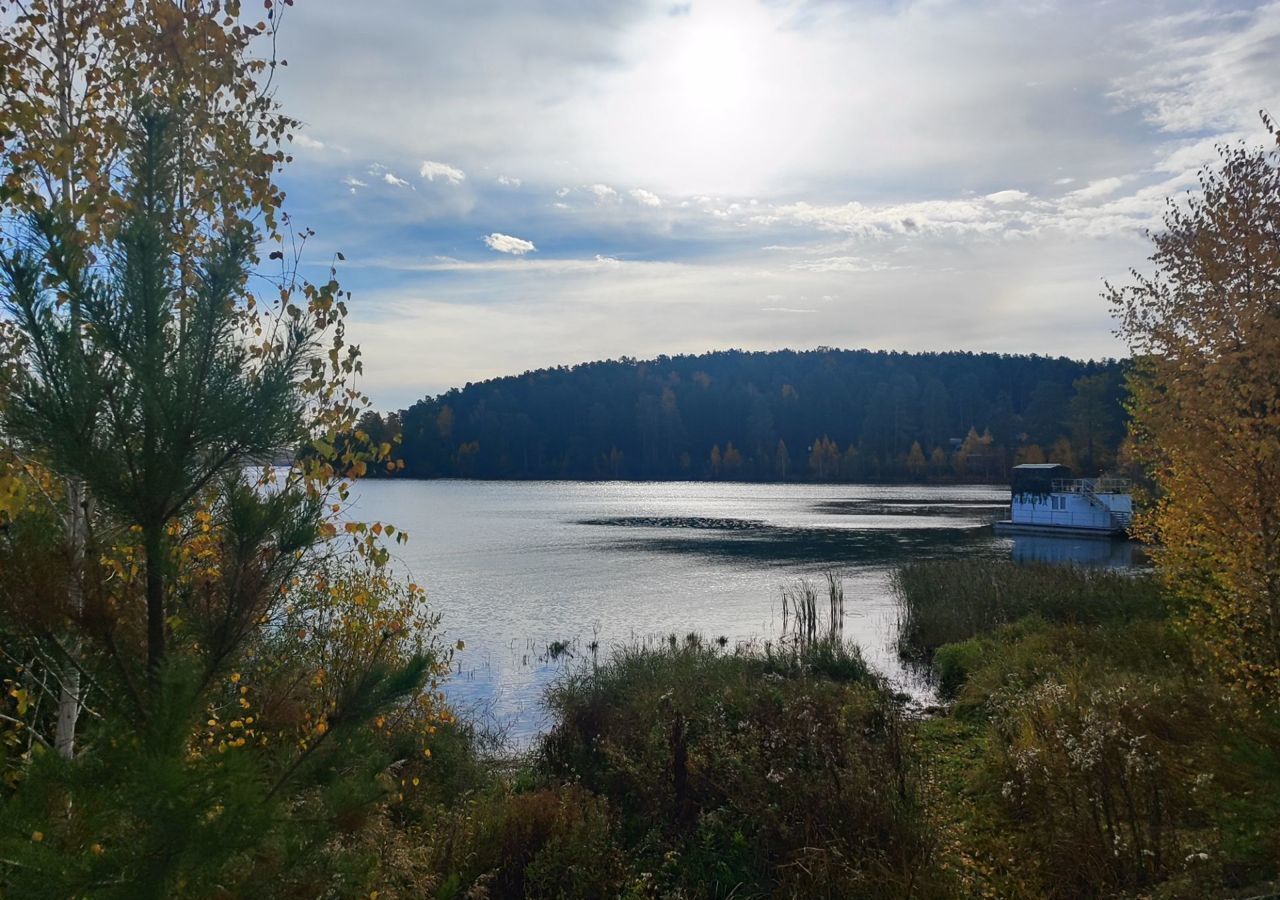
(64, 740)
(77, 499)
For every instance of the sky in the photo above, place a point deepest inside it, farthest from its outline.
(533, 183)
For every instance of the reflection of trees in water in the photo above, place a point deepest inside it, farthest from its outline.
(838, 546)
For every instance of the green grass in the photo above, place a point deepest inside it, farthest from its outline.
(948, 601)
(1025, 653)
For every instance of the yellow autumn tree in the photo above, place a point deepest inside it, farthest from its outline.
(1031, 454)
(824, 458)
(974, 456)
(937, 461)
(1204, 330)
(732, 460)
(1062, 453)
(916, 462)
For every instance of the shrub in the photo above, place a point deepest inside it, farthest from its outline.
(551, 842)
(748, 774)
(1026, 653)
(953, 664)
(1099, 779)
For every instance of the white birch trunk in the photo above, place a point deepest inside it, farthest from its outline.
(77, 525)
(64, 741)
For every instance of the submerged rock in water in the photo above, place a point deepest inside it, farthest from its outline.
(706, 522)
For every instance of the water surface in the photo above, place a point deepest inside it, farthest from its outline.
(516, 567)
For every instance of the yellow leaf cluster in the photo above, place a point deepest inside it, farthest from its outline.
(1205, 406)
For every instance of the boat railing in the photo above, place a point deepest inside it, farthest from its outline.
(1090, 488)
(1104, 485)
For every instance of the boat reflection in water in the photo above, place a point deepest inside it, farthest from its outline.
(1080, 551)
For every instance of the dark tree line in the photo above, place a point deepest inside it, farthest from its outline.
(814, 415)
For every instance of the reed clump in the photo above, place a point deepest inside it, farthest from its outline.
(947, 601)
(803, 622)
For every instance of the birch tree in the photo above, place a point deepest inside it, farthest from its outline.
(1204, 329)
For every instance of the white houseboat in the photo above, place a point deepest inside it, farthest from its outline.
(1045, 499)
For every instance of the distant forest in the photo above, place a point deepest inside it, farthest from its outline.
(819, 415)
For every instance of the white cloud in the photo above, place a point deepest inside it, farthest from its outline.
(1095, 189)
(603, 192)
(551, 266)
(563, 192)
(854, 218)
(384, 174)
(1189, 156)
(307, 142)
(645, 198)
(1008, 196)
(353, 184)
(505, 243)
(508, 181)
(751, 98)
(431, 170)
(1098, 210)
(840, 264)
(1205, 70)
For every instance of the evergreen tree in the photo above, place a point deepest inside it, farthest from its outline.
(1096, 420)
(139, 382)
(564, 422)
(138, 387)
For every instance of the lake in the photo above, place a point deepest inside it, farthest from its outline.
(517, 567)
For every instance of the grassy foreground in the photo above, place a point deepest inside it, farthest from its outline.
(688, 770)
(1081, 753)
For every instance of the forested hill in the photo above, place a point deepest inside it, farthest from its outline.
(815, 415)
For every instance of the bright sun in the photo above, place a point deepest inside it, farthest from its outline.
(707, 102)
